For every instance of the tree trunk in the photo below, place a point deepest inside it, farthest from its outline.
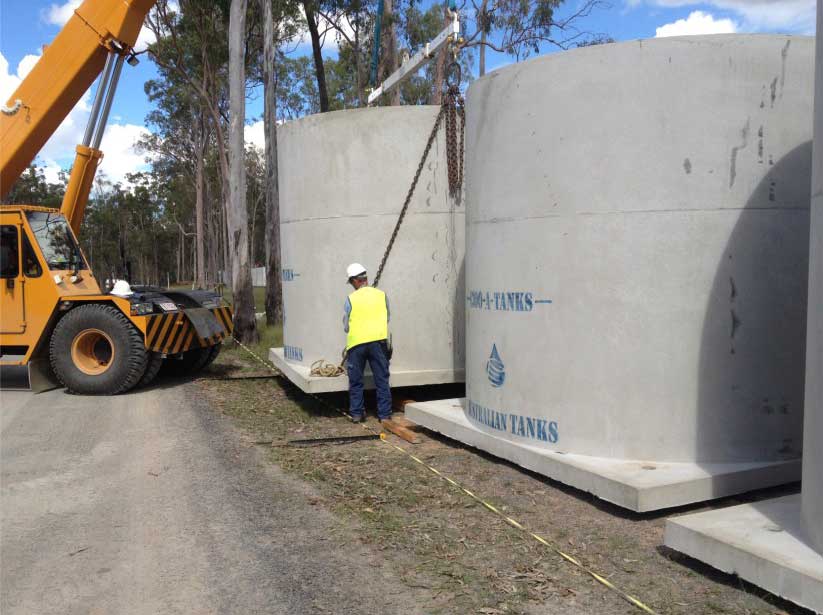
(200, 238)
(317, 52)
(390, 49)
(358, 69)
(179, 255)
(483, 37)
(274, 303)
(245, 327)
(224, 227)
(440, 66)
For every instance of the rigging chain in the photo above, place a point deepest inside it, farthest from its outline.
(453, 107)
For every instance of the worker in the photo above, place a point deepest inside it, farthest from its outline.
(366, 323)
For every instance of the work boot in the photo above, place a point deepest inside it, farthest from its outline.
(357, 418)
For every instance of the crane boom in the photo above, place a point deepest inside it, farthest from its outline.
(67, 68)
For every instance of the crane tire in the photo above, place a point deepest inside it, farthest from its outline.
(155, 362)
(215, 350)
(191, 362)
(95, 350)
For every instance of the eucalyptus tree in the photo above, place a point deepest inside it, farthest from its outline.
(237, 226)
(520, 28)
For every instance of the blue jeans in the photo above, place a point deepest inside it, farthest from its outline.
(375, 354)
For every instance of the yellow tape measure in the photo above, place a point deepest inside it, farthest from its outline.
(488, 505)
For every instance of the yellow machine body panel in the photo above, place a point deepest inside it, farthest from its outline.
(31, 285)
(43, 272)
(51, 306)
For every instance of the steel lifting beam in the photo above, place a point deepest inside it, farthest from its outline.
(450, 34)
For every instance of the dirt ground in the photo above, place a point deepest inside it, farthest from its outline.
(460, 557)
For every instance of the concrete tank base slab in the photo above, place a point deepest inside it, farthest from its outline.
(640, 486)
(762, 542)
(299, 375)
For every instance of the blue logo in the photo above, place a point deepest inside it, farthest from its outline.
(495, 368)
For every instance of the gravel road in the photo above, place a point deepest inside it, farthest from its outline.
(151, 503)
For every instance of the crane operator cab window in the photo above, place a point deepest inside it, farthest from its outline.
(56, 241)
(9, 252)
(31, 266)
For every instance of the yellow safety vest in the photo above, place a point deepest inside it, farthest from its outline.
(369, 318)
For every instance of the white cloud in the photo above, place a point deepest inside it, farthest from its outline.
(59, 14)
(254, 134)
(332, 38)
(120, 155)
(756, 15)
(8, 80)
(26, 64)
(144, 39)
(697, 23)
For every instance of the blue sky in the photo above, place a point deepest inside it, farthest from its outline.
(25, 25)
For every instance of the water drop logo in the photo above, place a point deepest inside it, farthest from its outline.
(495, 368)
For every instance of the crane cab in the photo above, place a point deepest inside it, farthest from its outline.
(53, 313)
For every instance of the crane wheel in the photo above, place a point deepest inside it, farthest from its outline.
(155, 362)
(191, 362)
(95, 350)
(215, 350)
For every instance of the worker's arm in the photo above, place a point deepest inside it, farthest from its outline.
(388, 311)
(346, 314)
(61, 76)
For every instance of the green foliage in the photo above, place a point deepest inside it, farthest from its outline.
(146, 231)
(128, 233)
(31, 188)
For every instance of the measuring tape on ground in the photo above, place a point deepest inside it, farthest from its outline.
(488, 505)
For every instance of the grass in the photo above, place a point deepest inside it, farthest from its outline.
(467, 560)
(270, 336)
(259, 298)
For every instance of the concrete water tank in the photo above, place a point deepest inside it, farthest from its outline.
(813, 430)
(637, 257)
(778, 543)
(343, 179)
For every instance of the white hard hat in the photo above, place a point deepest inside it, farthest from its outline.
(355, 270)
(121, 289)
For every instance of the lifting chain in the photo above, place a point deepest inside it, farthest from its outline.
(410, 193)
(455, 106)
(450, 110)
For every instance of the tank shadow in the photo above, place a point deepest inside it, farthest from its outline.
(459, 319)
(753, 346)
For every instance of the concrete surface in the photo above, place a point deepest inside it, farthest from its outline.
(778, 544)
(813, 429)
(300, 376)
(637, 249)
(148, 503)
(764, 543)
(637, 485)
(343, 179)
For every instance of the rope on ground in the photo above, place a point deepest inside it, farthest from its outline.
(325, 369)
(488, 505)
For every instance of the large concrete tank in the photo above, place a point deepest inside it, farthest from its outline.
(637, 256)
(778, 544)
(813, 430)
(343, 179)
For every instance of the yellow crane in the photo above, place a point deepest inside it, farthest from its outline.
(53, 315)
